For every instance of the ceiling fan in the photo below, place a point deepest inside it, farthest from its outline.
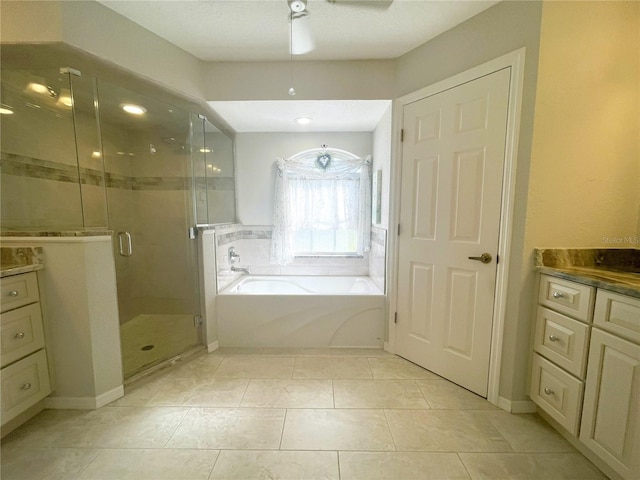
(301, 39)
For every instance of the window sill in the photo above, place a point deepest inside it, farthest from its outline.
(328, 255)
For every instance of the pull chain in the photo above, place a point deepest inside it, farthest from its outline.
(292, 91)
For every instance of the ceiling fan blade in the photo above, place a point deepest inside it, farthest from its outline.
(301, 37)
(373, 4)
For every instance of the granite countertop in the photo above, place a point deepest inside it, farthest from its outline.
(8, 271)
(16, 260)
(617, 270)
(57, 233)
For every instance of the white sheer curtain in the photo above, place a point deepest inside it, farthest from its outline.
(309, 197)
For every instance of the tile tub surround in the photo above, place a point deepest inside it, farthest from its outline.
(253, 244)
(339, 414)
(378, 257)
(612, 269)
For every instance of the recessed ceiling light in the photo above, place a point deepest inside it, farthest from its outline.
(65, 100)
(5, 110)
(96, 154)
(38, 87)
(205, 150)
(133, 109)
(303, 120)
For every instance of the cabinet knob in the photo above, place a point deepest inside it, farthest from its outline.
(553, 338)
(14, 293)
(26, 386)
(19, 335)
(557, 295)
(548, 391)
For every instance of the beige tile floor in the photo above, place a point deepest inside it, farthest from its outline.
(292, 414)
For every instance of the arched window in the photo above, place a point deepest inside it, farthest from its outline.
(322, 205)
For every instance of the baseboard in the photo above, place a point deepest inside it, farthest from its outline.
(213, 346)
(108, 397)
(84, 403)
(386, 346)
(518, 406)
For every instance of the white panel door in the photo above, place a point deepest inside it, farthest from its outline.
(451, 188)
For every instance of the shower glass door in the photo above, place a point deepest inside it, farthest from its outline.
(147, 153)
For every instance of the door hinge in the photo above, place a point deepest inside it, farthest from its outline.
(197, 321)
(402, 135)
(398, 229)
(497, 259)
(395, 317)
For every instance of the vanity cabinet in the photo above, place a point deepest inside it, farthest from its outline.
(586, 368)
(25, 372)
(611, 417)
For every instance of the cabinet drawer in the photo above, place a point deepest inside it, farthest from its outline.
(562, 340)
(21, 333)
(557, 393)
(619, 314)
(24, 384)
(571, 298)
(18, 290)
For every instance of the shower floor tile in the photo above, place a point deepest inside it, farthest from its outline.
(148, 339)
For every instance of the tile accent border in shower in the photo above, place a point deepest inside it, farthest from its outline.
(23, 166)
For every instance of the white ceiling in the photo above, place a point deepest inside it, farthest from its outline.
(258, 30)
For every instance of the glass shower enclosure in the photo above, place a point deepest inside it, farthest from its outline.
(80, 153)
(146, 145)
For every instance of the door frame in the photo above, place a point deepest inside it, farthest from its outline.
(514, 60)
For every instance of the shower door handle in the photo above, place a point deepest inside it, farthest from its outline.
(129, 250)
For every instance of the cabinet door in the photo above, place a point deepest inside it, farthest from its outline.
(611, 421)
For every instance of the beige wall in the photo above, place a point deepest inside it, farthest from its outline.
(382, 144)
(256, 154)
(350, 80)
(584, 186)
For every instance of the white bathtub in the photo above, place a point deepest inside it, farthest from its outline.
(301, 311)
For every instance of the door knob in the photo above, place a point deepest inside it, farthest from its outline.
(484, 258)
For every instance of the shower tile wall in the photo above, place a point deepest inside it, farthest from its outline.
(253, 244)
(146, 198)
